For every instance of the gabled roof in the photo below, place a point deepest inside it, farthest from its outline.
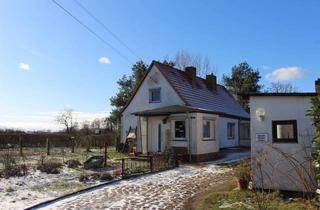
(198, 97)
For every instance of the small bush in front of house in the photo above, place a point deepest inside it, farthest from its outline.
(11, 171)
(106, 177)
(94, 176)
(50, 167)
(83, 178)
(73, 163)
(243, 174)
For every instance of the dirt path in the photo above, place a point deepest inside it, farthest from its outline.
(228, 183)
(167, 190)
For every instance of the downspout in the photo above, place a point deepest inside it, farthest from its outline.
(239, 122)
(189, 135)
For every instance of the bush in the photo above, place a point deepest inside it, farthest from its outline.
(7, 159)
(73, 163)
(50, 167)
(18, 170)
(94, 176)
(83, 178)
(106, 177)
(243, 174)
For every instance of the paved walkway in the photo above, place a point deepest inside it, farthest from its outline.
(165, 190)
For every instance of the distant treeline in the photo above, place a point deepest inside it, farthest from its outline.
(8, 140)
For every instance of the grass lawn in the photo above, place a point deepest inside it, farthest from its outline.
(243, 200)
(64, 186)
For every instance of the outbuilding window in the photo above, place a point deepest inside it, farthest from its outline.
(155, 95)
(284, 131)
(231, 129)
(179, 129)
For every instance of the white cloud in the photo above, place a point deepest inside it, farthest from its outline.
(24, 66)
(44, 120)
(286, 73)
(104, 60)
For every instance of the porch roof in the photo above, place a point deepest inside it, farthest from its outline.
(178, 109)
(166, 110)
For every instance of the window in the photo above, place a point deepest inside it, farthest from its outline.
(154, 95)
(208, 129)
(231, 128)
(244, 131)
(179, 129)
(284, 131)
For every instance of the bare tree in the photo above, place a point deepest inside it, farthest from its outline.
(96, 123)
(66, 118)
(183, 59)
(85, 129)
(278, 87)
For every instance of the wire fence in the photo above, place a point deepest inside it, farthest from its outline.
(30, 149)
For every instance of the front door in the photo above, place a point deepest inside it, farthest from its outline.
(144, 133)
(156, 134)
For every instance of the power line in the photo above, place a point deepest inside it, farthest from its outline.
(106, 28)
(91, 31)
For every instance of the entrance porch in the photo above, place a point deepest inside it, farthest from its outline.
(180, 129)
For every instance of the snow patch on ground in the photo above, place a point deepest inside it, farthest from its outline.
(20, 192)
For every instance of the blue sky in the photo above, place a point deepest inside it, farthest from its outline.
(49, 62)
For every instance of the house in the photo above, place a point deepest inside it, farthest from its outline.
(281, 141)
(196, 117)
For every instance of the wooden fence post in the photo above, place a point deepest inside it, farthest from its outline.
(48, 146)
(122, 168)
(151, 163)
(20, 144)
(88, 143)
(72, 144)
(105, 153)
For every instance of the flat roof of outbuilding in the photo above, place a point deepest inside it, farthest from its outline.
(281, 94)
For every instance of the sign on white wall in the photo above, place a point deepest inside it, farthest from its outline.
(262, 137)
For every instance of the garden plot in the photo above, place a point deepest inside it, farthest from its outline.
(19, 192)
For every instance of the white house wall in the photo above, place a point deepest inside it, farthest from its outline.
(141, 100)
(223, 135)
(277, 171)
(204, 146)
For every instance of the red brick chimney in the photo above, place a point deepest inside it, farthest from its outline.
(317, 86)
(211, 82)
(192, 74)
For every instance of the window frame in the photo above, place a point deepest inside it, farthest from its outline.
(212, 129)
(151, 90)
(275, 138)
(174, 130)
(233, 130)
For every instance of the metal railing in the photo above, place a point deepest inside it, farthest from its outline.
(140, 165)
